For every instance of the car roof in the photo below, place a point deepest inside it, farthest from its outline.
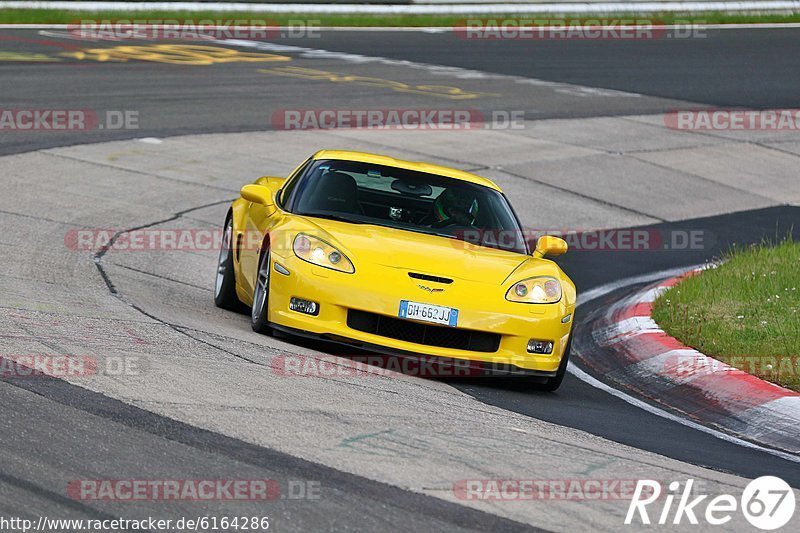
(364, 157)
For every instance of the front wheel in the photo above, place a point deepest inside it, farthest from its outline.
(259, 312)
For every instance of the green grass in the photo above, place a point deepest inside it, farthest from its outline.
(746, 312)
(54, 16)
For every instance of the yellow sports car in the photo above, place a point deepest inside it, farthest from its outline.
(401, 258)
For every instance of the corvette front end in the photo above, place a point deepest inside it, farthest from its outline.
(362, 307)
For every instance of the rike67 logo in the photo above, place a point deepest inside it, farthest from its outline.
(767, 503)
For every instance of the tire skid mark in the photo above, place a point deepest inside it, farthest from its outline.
(98, 261)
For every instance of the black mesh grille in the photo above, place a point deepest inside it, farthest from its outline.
(406, 330)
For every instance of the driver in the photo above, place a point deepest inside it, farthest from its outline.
(454, 206)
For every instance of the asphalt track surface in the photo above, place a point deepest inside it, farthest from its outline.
(745, 68)
(752, 68)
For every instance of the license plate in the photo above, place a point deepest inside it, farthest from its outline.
(428, 313)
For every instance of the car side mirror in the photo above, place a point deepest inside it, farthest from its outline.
(258, 194)
(273, 182)
(550, 245)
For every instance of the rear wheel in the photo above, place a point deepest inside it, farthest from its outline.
(259, 311)
(554, 383)
(225, 284)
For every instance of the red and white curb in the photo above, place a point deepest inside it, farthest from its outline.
(643, 358)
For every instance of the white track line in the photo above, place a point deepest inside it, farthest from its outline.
(583, 376)
(602, 290)
(573, 369)
(416, 9)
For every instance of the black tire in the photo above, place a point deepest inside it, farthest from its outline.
(225, 283)
(260, 309)
(552, 384)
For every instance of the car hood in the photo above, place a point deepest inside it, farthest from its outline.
(418, 252)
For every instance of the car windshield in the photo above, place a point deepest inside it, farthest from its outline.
(404, 199)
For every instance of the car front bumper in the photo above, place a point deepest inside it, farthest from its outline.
(482, 307)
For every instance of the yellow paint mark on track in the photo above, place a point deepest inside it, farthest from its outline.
(443, 91)
(178, 54)
(27, 57)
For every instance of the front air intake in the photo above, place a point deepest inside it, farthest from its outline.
(418, 333)
(426, 277)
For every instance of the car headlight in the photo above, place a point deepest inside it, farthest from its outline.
(319, 252)
(539, 290)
